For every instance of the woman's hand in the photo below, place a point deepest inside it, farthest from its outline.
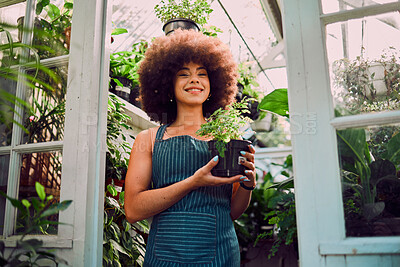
(203, 176)
(250, 179)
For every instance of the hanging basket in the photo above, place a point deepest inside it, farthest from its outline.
(263, 125)
(376, 72)
(180, 23)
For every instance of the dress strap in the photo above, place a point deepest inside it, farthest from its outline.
(160, 131)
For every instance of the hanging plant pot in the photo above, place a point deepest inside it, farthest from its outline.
(263, 125)
(376, 74)
(121, 91)
(229, 165)
(179, 23)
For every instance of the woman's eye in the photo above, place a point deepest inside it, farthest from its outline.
(202, 74)
(183, 74)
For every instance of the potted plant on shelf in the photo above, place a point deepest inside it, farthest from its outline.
(183, 14)
(224, 126)
(123, 72)
(369, 84)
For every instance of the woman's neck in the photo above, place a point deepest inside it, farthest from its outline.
(192, 117)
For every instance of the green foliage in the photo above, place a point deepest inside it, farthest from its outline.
(123, 242)
(252, 222)
(126, 63)
(117, 150)
(52, 34)
(249, 81)
(211, 31)
(279, 207)
(276, 102)
(358, 77)
(30, 252)
(224, 124)
(197, 10)
(362, 172)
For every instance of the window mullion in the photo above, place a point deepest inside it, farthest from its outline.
(365, 120)
(359, 12)
(17, 132)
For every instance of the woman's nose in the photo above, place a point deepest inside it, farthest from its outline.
(194, 79)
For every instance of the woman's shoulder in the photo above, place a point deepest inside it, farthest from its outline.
(147, 137)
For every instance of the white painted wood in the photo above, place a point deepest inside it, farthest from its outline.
(365, 120)
(15, 158)
(319, 206)
(362, 246)
(140, 120)
(4, 3)
(272, 22)
(85, 132)
(364, 261)
(269, 61)
(317, 184)
(335, 261)
(272, 152)
(359, 12)
(39, 147)
(49, 241)
(395, 261)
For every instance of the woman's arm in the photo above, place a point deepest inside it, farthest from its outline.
(241, 197)
(141, 202)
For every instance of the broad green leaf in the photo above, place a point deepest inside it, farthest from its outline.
(276, 102)
(40, 191)
(118, 31)
(351, 143)
(26, 203)
(393, 149)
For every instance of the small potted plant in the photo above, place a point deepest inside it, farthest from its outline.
(184, 14)
(224, 126)
(123, 72)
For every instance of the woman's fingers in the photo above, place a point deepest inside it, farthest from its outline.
(211, 164)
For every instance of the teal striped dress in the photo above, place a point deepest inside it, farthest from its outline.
(197, 230)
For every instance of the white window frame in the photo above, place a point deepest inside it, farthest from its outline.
(84, 146)
(319, 206)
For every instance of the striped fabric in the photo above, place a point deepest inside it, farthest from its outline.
(196, 231)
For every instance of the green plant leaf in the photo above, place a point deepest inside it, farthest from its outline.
(26, 203)
(393, 149)
(40, 191)
(276, 102)
(118, 31)
(56, 208)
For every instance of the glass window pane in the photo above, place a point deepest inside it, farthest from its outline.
(364, 62)
(7, 100)
(44, 168)
(370, 166)
(10, 16)
(4, 163)
(45, 121)
(53, 29)
(330, 6)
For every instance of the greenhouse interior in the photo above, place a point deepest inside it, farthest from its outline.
(320, 80)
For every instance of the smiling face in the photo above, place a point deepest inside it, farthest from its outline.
(191, 84)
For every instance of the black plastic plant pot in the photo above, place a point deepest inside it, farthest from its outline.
(229, 165)
(179, 23)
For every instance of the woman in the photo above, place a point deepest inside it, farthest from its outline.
(184, 78)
